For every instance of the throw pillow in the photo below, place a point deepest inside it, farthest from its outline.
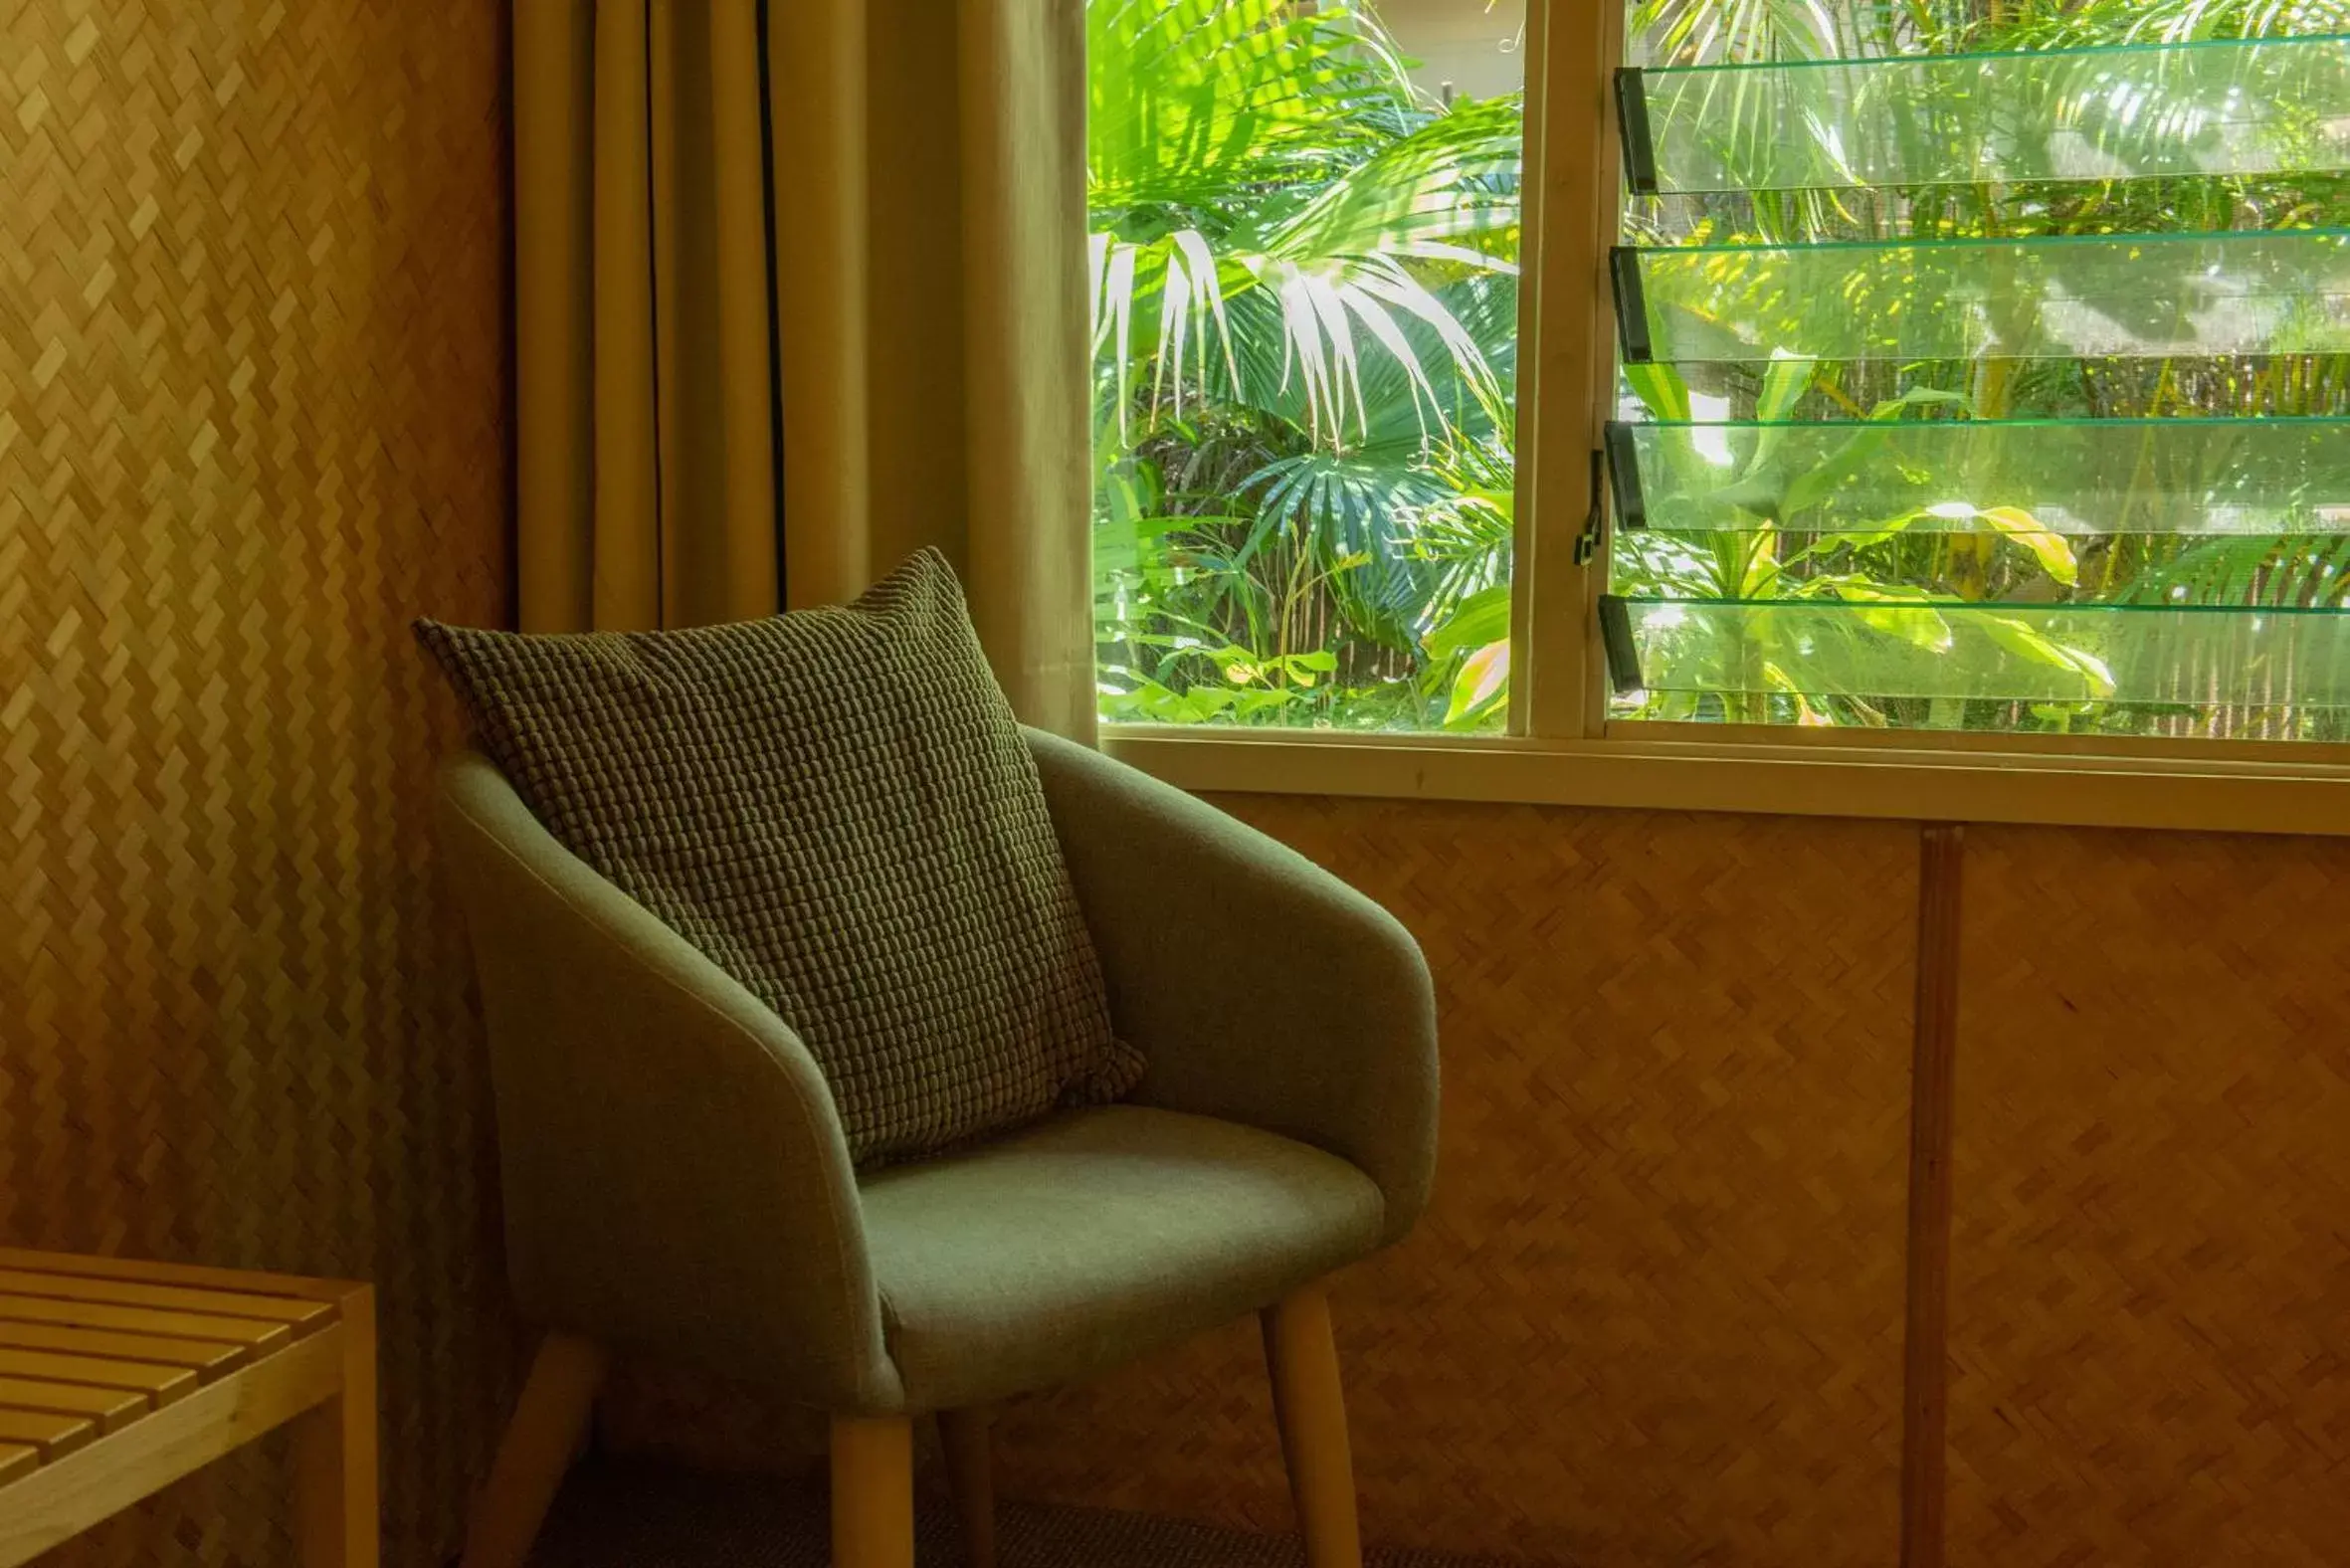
(837, 807)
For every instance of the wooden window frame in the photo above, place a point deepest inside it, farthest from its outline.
(1561, 748)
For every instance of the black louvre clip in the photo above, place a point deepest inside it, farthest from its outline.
(1614, 635)
(1632, 305)
(1587, 542)
(1632, 122)
(1632, 506)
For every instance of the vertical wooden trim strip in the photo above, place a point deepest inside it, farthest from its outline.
(1925, 1345)
(1565, 387)
(1525, 544)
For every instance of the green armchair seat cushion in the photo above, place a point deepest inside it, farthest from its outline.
(1100, 1234)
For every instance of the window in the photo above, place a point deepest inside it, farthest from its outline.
(1859, 383)
(1304, 226)
(1987, 370)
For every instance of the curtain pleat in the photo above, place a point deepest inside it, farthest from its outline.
(833, 218)
(710, 268)
(1024, 352)
(913, 321)
(626, 535)
(817, 85)
(554, 420)
(748, 407)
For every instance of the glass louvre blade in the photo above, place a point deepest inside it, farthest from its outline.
(2248, 107)
(2069, 477)
(2129, 654)
(2062, 296)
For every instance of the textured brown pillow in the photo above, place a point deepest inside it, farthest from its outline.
(837, 808)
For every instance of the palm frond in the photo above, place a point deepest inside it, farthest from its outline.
(1198, 104)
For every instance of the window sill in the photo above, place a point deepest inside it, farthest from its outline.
(2217, 788)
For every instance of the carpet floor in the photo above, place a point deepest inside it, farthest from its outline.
(630, 1514)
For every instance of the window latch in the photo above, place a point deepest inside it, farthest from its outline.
(1587, 544)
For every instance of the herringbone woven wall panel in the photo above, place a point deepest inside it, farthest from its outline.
(1656, 1313)
(2150, 1266)
(252, 419)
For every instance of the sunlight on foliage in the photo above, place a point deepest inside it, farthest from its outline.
(1304, 335)
(1304, 279)
(1823, 568)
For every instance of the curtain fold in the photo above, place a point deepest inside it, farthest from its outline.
(800, 289)
(1026, 347)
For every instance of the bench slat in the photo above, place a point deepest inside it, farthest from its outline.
(130, 1292)
(163, 1384)
(207, 1359)
(144, 1319)
(110, 1408)
(202, 1276)
(51, 1434)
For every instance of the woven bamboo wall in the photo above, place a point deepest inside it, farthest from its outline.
(2150, 1303)
(252, 394)
(1656, 1314)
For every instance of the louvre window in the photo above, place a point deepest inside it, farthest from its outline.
(2004, 391)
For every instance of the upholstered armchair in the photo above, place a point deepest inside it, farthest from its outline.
(677, 1185)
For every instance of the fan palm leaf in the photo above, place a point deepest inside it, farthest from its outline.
(1215, 101)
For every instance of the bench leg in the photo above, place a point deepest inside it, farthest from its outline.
(963, 1433)
(1307, 1401)
(550, 1422)
(335, 1456)
(873, 1491)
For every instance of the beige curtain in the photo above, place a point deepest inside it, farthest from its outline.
(799, 289)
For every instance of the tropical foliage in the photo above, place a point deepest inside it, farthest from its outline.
(1306, 352)
(1304, 324)
(1976, 581)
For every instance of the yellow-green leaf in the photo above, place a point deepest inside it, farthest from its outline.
(2053, 550)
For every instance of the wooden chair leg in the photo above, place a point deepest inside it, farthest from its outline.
(873, 1491)
(963, 1433)
(1307, 1401)
(550, 1422)
(334, 1456)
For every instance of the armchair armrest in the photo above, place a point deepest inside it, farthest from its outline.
(1262, 988)
(675, 1180)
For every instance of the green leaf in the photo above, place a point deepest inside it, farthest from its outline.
(2052, 549)
(1661, 388)
(2095, 676)
(1480, 687)
(1784, 384)
(1482, 619)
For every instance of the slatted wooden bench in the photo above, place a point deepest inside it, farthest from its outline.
(118, 1378)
